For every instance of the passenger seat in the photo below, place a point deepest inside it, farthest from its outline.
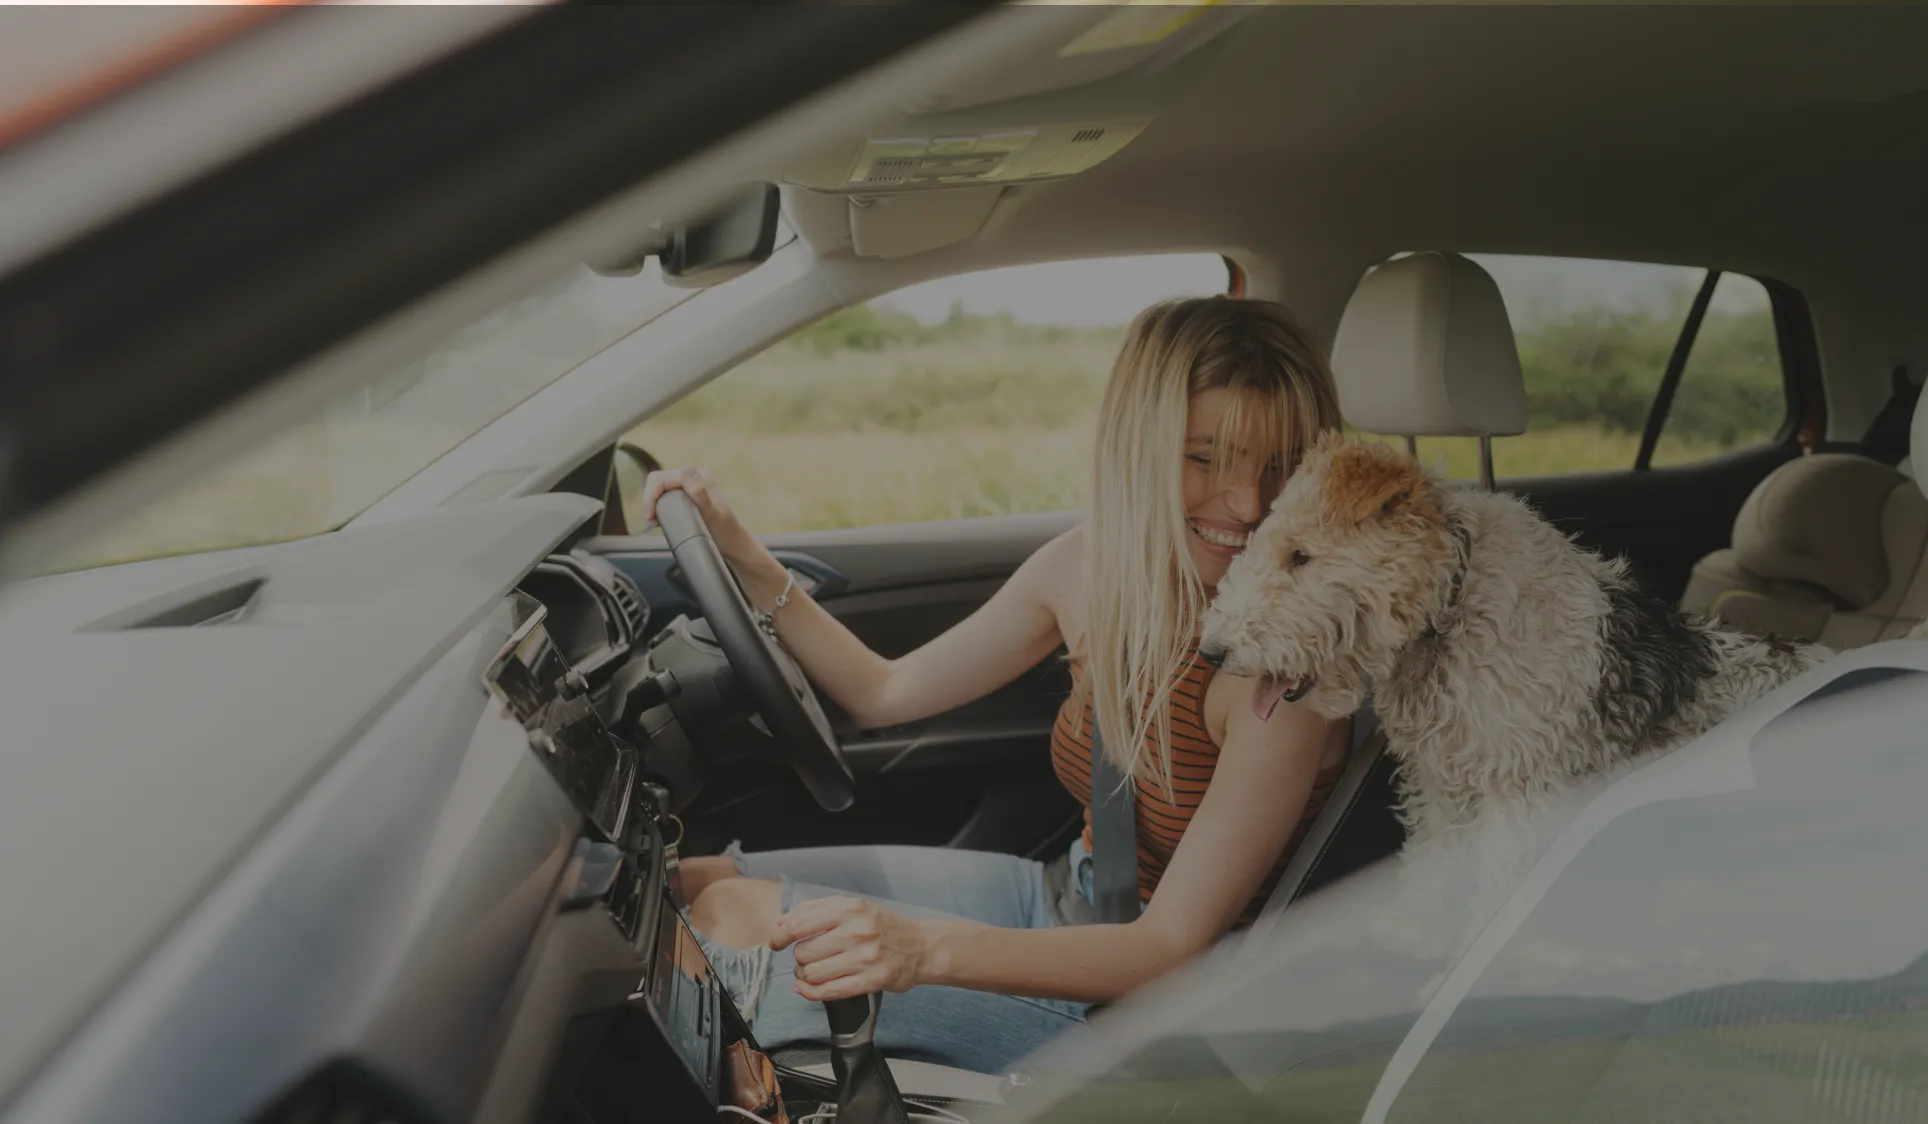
(1424, 349)
(1828, 548)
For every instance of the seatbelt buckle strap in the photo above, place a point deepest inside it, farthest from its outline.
(1114, 838)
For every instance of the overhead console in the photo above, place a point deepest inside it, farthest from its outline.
(931, 177)
(949, 158)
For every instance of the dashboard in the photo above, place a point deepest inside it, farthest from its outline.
(596, 614)
(408, 868)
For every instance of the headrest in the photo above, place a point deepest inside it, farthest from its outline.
(1819, 519)
(1426, 349)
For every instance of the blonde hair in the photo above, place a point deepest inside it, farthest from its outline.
(1144, 597)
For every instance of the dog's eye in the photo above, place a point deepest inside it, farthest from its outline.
(1299, 558)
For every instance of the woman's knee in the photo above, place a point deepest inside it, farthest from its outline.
(738, 912)
(703, 871)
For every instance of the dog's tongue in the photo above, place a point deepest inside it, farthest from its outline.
(1266, 696)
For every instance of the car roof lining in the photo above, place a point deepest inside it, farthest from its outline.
(1320, 139)
(1325, 138)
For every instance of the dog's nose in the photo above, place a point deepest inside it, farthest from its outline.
(1213, 654)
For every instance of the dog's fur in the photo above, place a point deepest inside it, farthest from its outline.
(1505, 661)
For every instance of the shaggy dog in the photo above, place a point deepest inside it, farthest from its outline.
(1505, 661)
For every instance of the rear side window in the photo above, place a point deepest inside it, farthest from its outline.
(1595, 338)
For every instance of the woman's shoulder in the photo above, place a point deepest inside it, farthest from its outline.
(1063, 559)
(1070, 543)
(1055, 571)
(1061, 555)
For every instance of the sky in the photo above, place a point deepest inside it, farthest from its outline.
(1110, 291)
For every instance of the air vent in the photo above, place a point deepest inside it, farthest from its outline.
(338, 1095)
(1086, 136)
(631, 602)
(893, 170)
(225, 604)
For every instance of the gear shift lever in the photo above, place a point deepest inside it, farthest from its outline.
(866, 1092)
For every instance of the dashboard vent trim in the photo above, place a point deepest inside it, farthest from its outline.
(631, 602)
(228, 602)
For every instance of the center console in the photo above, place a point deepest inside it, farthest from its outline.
(653, 1047)
(653, 1035)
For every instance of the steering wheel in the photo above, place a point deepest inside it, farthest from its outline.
(776, 685)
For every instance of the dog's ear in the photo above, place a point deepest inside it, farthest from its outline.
(1327, 440)
(1369, 481)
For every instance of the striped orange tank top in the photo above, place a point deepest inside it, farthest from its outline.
(1161, 821)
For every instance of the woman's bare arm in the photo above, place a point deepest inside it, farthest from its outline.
(1258, 794)
(1007, 636)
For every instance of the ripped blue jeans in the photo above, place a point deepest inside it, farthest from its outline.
(975, 1030)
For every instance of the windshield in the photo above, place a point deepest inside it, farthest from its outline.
(317, 476)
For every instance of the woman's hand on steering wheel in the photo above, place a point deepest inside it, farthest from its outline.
(850, 947)
(739, 548)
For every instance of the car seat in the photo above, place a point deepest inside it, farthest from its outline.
(1829, 547)
(1425, 349)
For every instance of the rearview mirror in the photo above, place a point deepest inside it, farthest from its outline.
(732, 239)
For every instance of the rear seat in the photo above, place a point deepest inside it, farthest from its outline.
(1829, 547)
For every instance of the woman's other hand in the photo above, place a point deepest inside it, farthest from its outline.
(850, 947)
(740, 548)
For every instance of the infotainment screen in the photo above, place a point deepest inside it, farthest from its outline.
(595, 769)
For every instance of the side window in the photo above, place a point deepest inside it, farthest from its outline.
(1595, 338)
(1732, 393)
(968, 396)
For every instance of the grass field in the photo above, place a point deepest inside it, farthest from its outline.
(845, 425)
(805, 440)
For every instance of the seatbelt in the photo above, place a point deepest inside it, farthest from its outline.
(1887, 437)
(1114, 838)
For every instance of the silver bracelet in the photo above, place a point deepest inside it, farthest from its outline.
(768, 621)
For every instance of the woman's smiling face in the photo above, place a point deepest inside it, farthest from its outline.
(1224, 503)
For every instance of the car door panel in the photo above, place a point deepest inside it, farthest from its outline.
(977, 776)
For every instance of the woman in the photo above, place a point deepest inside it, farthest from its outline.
(1208, 407)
